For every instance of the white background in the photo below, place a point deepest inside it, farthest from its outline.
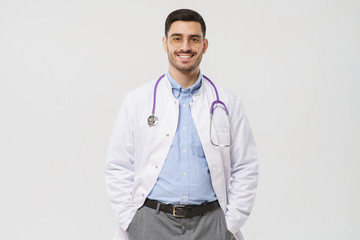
(65, 67)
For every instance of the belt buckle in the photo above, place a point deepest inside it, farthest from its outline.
(174, 211)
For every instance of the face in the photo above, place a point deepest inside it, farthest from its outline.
(185, 46)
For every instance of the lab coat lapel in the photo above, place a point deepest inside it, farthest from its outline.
(167, 110)
(200, 110)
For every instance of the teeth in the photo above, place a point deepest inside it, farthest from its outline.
(184, 56)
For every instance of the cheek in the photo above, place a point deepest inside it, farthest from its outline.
(169, 49)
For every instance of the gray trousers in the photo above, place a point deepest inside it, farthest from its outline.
(150, 224)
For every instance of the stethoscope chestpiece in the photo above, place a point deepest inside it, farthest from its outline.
(152, 120)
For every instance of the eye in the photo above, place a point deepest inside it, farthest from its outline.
(176, 39)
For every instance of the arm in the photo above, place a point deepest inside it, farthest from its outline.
(244, 171)
(119, 169)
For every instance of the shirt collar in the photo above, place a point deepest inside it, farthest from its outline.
(177, 89)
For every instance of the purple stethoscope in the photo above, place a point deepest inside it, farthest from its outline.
(153, 120)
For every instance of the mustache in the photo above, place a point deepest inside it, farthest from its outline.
(187, 52)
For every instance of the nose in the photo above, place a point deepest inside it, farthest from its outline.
(185, 45)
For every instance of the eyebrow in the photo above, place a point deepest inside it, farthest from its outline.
(181, 35)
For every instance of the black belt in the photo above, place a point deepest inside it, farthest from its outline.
(182, 210)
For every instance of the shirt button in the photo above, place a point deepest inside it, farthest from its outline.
(184, 105)
(184, 174)
(184, 128)
(184, 197)
(184, 150)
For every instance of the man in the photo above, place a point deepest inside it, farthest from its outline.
(176, 174)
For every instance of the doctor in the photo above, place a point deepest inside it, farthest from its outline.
(166, 179)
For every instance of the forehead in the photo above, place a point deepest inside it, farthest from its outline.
(185, 28)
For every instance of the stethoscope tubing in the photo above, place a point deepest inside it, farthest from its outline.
(152, 119)
(212, 104)
(217, 98)
(154, 97)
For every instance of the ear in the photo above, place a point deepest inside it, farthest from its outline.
(206, 44)
(164, 43)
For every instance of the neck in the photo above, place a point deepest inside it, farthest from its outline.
(185, 79)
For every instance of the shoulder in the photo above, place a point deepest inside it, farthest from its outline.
(142, 97)
(225, 94)
(146, 88)
(142, 93)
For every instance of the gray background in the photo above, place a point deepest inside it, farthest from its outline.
(65, 67)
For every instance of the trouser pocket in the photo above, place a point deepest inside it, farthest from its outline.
(228, 234)
(133, 225)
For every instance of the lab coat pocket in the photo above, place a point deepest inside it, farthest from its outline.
(221, 137)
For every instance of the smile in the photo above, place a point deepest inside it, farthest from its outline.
(185, 56)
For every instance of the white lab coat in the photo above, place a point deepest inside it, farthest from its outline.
(137, 152)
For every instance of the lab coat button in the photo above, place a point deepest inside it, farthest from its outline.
(167, 134)
(156, 166)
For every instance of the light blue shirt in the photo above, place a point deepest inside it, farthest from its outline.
(185, 177)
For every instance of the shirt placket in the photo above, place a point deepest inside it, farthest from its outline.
(184, 99)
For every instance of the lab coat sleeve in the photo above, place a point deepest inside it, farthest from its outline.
(244, 171)
(119, 169)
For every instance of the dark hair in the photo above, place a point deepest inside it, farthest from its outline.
(186, 15)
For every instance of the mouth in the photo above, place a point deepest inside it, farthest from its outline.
(185, 56)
